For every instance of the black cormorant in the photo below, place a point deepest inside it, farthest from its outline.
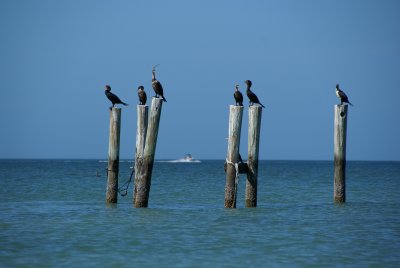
(112, 97)
(342, 96)
(142, 95)
(238, 96)
(252, 97)
(158, 89)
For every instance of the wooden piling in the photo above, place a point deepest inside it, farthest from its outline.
(235, 125)
(142, 117)
(113, 156)
(145, 163)
(255, 113)
(339, 191)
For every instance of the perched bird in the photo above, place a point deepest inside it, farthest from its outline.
(238, 96)
(112, 97)
(158, 89)
(342, 96)
(142, 95)
(252, 97)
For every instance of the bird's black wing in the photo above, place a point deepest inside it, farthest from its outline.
(343, 96)
(158, 87)
(113, 98)
(253, 97)
(238, 97)
(142, 97)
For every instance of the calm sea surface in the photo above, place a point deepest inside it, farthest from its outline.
(53, 214)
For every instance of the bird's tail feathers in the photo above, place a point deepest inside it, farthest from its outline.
(164, 99)
(126, 104)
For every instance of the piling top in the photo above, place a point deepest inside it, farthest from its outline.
(235, 107)
(115, 110)
(341, 110)
(255, 107)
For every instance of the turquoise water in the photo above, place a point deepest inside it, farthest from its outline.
(53, 214)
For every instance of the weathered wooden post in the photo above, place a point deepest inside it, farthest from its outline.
(253, 149)
(339, 191)
(142, 118)
(232, 158)
(145, 163)
(113, 156)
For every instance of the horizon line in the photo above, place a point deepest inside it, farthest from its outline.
(204, 159)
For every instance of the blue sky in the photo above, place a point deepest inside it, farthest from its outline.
(56, 57)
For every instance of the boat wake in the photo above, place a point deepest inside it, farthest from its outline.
(186, 159)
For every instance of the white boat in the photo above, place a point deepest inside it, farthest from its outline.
(186, 159)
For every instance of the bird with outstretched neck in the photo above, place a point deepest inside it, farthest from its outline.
(252, 97)
(142, 95)
(112, 97)
(238, 96)
(158, 89)
(342, 96)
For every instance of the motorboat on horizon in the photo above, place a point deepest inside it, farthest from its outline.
(186, 159)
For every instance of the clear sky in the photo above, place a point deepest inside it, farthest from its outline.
(56, 57)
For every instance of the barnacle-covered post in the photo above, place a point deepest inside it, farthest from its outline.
(145, 163)
(339, 188)
(142, 118)
(113, 156)
(253, 149)
(232, 158)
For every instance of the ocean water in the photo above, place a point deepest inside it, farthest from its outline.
(53, 214)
